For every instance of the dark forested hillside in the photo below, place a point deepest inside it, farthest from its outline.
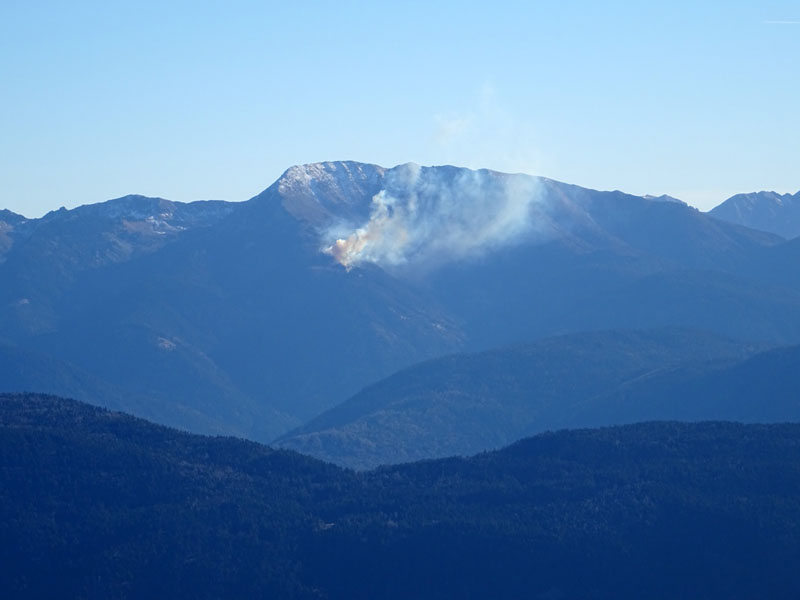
(466, 403)
(762, 389)
(95, 504)
(102, 505)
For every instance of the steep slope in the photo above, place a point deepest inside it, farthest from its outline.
(25, 371)
(766, 211)
(667, 230)
(8, 220)
(46, 256)
(619, 261)
(251, 318)
(225, 321)
(150, 510)
(410, 218)
(254, 300)
(745, 306)
(215, 405)
(57, 289)
(764, 388)
(468, 403)
(776, 266)
(96, 504)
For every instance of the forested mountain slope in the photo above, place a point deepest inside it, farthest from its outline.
(97, 504)
(467, 403)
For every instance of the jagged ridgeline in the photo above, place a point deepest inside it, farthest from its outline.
(767, 211)
(252, 318)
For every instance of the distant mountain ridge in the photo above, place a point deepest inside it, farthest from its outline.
(663, 198)
(341, 198)
(766, 211)
(253, 317)
(9, 217)
(468, 403)
(91, 236)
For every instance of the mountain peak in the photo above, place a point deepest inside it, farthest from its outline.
(414, 218)
(663, 198)
(11, 218)
(767, 211)
(160, 215)
(131, 206)
(324, 192)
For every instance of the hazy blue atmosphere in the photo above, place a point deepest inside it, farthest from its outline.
(214, 100)
(394, 300)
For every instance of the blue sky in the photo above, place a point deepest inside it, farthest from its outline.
(196, 100)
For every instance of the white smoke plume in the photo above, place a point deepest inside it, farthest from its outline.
(435, 215)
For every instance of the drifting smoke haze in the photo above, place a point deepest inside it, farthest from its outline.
(432, 215)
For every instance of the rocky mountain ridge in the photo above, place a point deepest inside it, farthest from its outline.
(253, 317)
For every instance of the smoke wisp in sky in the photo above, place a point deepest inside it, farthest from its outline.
(432, 215)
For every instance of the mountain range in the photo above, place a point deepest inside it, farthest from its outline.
(556, 368)
(252, 318)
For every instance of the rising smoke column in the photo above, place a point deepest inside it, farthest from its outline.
(435, 215)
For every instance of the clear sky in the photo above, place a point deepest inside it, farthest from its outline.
(197, 100)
